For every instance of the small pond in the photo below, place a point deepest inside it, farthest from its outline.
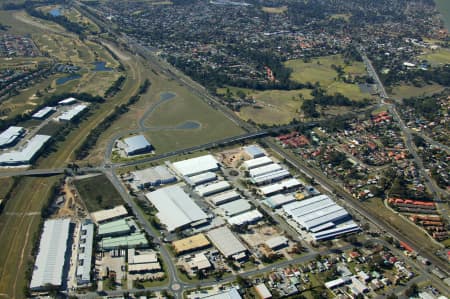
(63, 80)
(100, 66)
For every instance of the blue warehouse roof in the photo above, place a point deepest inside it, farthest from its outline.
(136, 144)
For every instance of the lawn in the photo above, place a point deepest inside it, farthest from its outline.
(272, 106)
(444, 8)
(407, 91)
(6, 184)
(320, 70)
(437, 57)
(98, 193)
(19, 223)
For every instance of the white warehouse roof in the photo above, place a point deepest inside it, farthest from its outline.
(236, 207)
(48, 268)
(258, 162)
(105, 215)
(67, 101)
(247, 217)
(44, 112)
(224, 197)
(321, 216)
(25, 154)
(206, 190)
(280, 186)
(85, 253)
(153, 176)
(255, 172)
(175, 208)
(10, 135)
(73, 112)
(231, 293)
(271, 177)
(197, 165)
(226, 242)
(136, 145)
(201, 178)
(279, 200)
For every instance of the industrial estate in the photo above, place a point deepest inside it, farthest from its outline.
(224, 149)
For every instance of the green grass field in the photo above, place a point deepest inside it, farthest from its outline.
(272, 106)
(437, 57)
(214, 125)
(444, 8)
(6, 184)
(407, 91)
(19, 223)
(98, 193)
(320, 70)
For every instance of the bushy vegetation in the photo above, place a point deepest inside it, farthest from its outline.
(115, 87)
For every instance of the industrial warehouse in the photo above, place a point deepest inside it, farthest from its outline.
(73, 113)
(227, 243)
(175, 208)
(51, 266)
(151, 177)
(321, 216)
(11, 136)
(196, 166)
(136, 145)
(44, 112)
(25, 154)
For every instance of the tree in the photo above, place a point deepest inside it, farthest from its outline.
(412, 290)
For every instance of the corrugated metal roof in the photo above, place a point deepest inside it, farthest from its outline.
(225, 197)
(85, 253)
(70, 114)
(255, 172)
(10, 135)
(279, 200)
(247, 217)
(133, 240)
(274, 188)
(153, 175)
(104, 215)
(231, 293)
(201, 178)
(236, 207)
(271, 177)
(225, 241)
(136, 143)
(206, 190)
(175, 207)
(258, 162)
(44, 112)
(196, 165)
(67, 101)
(50, 260)
(121, 226)
(254, 150)
(25, 154)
